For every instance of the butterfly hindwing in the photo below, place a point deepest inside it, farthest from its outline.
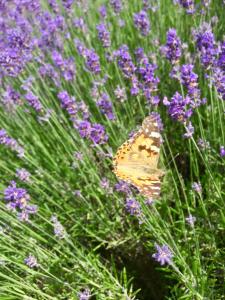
(137, 159)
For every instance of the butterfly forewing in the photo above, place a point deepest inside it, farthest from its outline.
(137, 159)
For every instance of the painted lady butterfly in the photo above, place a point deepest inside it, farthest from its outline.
(136, 160)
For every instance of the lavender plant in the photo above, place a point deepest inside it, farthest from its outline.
(77, 78)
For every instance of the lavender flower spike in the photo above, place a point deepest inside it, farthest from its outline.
(142, 23)
(103, 35)
(163, 254)
(31, 261)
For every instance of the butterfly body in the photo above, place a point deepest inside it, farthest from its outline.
(136, 161)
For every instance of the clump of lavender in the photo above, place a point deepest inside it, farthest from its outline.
(206, 45)
(173, 48)
(17, 200)
(188, 5)
(142, 22)
(104, 35)
(218, 79)
(33, 101)
(105, 184)
(222, 151)
(11, 98)
(23, 175)
(16, 48)
(11, 143)
(79, 23)
(179, 108)
(163, 254)
(65, 66)
(59, 230)
(91, 57)
(123, 187)
(69, 103)
(197, 187)
(125, 61)
(94, 132)
(190, 80)
(103, 11)
(150, 81)
(116, 5)
(191, 220)
(31, 261)
(120, 94)
(133, 207)
(105, 106)
(84, 295)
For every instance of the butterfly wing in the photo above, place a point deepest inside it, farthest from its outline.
(137, 159)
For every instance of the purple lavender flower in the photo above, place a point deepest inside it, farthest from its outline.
(66, 66)
(123, 187)
(203, 144)
(105, 106)
(80, 24)
(222, 151)
(98, 135)
(68, 103)
(142, 23)
(59, 230)
(133, 207)
(25, 213)
(105, 184)
(92, 61)
(11, 98)
(191, 220)
(178, 107)
(31, 261)
(135, 86)
(163, 254)
(15, 50)
(197, 187)
(16, 197)
(150, 81)
(67, 4)
(189, 131)
(116, 5)
(103, 11)
(33, 101)
(150, 4)
(125, 61)
(94, 132)
(149, 201)
(78, 156)
(218, 78)
(84, 128)
(140, 56)
(188, 5)
(172, 49)
(205, 43)
(23, 175)
(103, 35)
(221, 59)
(11, 143)
(120, 94)
(84, 295)
(190, 80)
(47, 70)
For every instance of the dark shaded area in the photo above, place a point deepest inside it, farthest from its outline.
(142, 268)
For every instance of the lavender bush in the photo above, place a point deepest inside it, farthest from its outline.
(77, 79)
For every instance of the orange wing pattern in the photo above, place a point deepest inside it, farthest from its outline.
(137, 159)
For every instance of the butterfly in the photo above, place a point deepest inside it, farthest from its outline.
(136, 161)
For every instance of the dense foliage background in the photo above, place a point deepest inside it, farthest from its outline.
(77, 79)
